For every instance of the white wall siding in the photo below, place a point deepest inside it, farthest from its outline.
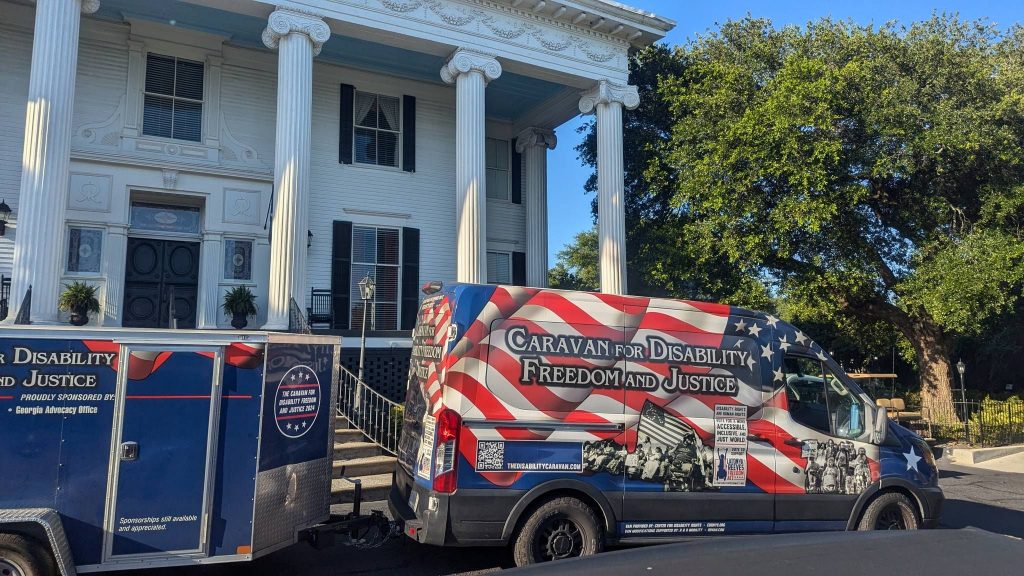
(16, 51)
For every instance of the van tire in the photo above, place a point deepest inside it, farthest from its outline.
(890, 511)
(22, 556)
(561, 528)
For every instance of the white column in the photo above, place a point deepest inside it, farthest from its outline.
(470, 72)
(298, 37)
(211, 270)
(607, 99)
(533, 144)
(115, 252)
(38, 260)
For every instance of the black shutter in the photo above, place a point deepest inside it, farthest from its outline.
(348, 93)
(410, 276)
(517, 175)
(519, 268)
(409, 133)
(341, 275)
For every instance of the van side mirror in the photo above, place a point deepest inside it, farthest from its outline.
(881, 426)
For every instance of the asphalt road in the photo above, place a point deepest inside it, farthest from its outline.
(990, 500)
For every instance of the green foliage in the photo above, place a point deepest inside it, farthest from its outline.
(576, 268)
(994, 423)
(79, 296)
(869, 170)
(239, 300)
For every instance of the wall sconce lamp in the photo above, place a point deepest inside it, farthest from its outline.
(5, 213)
(309, 239)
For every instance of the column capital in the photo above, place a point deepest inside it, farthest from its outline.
(90, 6)
(536, 137)
(285, 21)
(607, 92)
(463, 61)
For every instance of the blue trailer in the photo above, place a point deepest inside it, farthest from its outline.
(127, 448)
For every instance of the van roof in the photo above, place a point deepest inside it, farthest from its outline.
(617, 299)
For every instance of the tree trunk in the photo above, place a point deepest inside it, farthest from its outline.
(932, 348)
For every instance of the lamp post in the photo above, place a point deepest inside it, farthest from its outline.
(5, 213)
(366, 288)
(961, 368)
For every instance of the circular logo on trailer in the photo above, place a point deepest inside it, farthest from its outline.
(297, 402)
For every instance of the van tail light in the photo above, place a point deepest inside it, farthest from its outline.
(446, 454)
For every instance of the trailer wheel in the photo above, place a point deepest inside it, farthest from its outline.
(21, 556)
(890, 511)
(561, 528)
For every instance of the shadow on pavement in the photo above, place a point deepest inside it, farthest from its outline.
(943, 473)
(963, 513)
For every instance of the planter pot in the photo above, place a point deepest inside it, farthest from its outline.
(239, 321)
(79, 317)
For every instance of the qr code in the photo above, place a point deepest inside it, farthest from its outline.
(490, 455)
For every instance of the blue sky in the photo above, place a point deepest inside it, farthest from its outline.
(569, 206)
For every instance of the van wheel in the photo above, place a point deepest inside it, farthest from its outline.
(21, 556)
(561, 528)
(890, 511)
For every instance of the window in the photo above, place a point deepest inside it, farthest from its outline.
(237, 259)
(498, 174)
(377, 129)
(820, 400)
(85, 247)
(375, 253)
(161, 218)
(173, 98)
(499, 267)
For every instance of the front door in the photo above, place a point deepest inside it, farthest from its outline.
(168, 400)
(154, 271)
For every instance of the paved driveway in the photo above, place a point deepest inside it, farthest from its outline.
(986, 499)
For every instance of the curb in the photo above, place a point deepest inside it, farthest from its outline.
(979, 455)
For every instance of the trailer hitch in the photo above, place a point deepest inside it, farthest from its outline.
(356, 529)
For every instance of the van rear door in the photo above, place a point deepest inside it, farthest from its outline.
(423, 398)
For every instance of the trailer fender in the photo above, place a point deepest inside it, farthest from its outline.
(45, 525)
(564, 487)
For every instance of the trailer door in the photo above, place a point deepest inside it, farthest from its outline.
(162, 460)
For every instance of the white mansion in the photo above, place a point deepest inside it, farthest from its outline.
(182, 147)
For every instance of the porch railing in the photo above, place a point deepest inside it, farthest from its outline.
(370, 412)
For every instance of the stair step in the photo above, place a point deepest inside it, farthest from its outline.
(375, 487)
(350, 450)
(367, 466)
(348, 435)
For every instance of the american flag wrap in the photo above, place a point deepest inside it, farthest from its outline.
(661, 427)
(481, 373)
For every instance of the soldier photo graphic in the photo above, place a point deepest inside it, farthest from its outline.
(835, 468)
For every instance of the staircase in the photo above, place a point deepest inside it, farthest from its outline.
(356, 457)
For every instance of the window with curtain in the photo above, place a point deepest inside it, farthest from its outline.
(173, 98)
(499, 267)
(375, 253)
(377, 129)
(498, 174)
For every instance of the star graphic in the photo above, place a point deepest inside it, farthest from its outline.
(755, 330)
(292, 378)
(800, 338)
(739, 343)
(750, 362)
(779, 376)
(912, 460)
(288, 425)
(766, 351)
(821, 356)
(305, 376)
(304, 424)
(772, 320)
(741, 325)
(784, 344)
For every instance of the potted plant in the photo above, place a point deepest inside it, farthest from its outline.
(240, 304)
(80, 299)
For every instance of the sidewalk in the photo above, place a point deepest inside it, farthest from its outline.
(1010, 463)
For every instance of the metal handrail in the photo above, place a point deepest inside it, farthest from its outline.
(297, 322)
(370, 412)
